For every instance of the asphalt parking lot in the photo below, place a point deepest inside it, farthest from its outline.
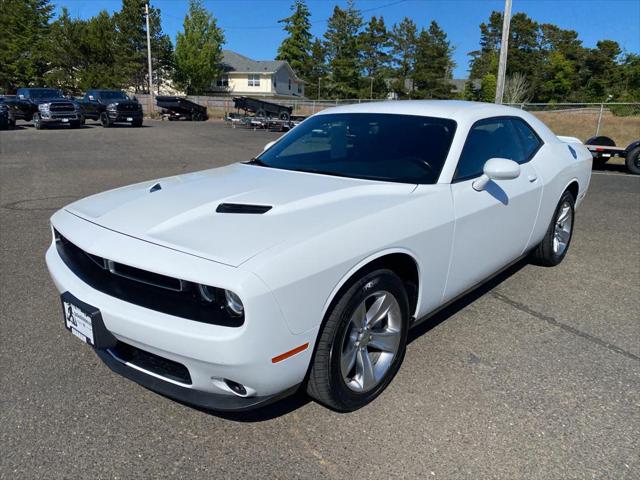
(537, 375)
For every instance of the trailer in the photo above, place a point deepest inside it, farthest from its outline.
(179, 108)
(603, 148)
(262, 108)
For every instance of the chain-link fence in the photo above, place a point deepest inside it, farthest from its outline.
(620, 121)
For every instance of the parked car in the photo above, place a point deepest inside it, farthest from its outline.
(110, 107)
(47, 106)
(7, 116)
(307, 266)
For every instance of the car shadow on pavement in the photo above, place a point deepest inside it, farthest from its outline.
(611, 167)
(459, 304)
(299, 399)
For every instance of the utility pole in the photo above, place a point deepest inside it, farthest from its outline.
(146, 11)
(504, 47)
(371, 90)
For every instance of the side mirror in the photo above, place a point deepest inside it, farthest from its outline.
(92, 98)
(497, 169)
(268, 146)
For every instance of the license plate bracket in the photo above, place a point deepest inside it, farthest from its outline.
(85, 322)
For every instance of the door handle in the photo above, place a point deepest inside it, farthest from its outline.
(532, 177)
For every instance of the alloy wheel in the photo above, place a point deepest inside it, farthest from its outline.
(371, 341)
(562, 229)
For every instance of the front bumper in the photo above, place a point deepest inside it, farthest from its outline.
(210, 353)
(124, 116)
(60, 118)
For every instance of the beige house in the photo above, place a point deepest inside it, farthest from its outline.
(269, 78)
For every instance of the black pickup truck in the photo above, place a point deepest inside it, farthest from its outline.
(111, 106)
(7, 115)
(46, 106)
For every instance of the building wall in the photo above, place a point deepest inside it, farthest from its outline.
(282, 78)
(239, 84)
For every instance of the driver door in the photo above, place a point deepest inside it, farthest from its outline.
(492, 227)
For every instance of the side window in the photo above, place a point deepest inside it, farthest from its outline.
(530, 141)
(489, 138)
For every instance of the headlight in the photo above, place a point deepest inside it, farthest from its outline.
(44, 107)
(234, 304)
(225, 299)
(112, 106)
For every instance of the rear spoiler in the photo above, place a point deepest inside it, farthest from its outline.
(569, 139)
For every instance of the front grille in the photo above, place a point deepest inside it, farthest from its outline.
(128, 107)
(72, 116)
(62, 107)
(141, 287)
(152, 363)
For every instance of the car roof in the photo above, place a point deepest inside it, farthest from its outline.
(429, 108)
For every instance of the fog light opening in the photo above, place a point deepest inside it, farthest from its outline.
(236, 388)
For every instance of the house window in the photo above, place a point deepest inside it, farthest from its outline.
(299, 88)
(254, 80)
(289, 84)
(223, 81)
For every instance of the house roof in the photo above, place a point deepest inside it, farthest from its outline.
(234, 62)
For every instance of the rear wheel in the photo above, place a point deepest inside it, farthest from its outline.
(633, 161)
(362, 343)
(553, 248)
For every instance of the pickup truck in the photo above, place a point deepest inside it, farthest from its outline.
(111, 106)
(7, 116)
(46, 106)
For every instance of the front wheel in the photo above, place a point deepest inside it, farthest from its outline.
(105, 120)
(555, 244)
(633, 161)
(37, 121)
(362, 343)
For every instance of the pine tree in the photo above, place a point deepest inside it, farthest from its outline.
(403, 48)
(317, 75)
(198, 50)
(23, 42)
(296, 48)
(67, 56)
(433, 64)
(131, 39)
(374, 41)
(343, 53)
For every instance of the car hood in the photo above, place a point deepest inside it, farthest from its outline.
(182, 215)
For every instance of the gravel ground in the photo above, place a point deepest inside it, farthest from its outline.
(536, 375)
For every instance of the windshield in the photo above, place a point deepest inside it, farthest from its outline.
(113, 96)
(374, 146)
(45, 93)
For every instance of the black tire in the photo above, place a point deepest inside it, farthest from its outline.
(82, 120)
(37, 122)
(76, 124)
(599, 162)
(633, 161)
(284, 116)
(544, 253)
(105, 121)
(325, 383)
(136, 123)
(261, 113)
(600, 140)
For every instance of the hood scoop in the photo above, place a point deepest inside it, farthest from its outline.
(155, 187)
(243, 208)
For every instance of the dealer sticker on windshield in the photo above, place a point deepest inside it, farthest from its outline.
(78, 322)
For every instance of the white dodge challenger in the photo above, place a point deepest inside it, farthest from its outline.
(307, 265)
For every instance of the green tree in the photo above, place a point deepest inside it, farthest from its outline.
(296, 48)
(24, 25)
(487, 91)
(343, 52)
(131, 40)
(433, 64)
(374, 47)
(403, 50)
(67, 57)
(198, 50)
(317, 75)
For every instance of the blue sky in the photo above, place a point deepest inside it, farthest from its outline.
(251, 26)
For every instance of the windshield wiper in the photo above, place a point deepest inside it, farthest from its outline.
(257, 161)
